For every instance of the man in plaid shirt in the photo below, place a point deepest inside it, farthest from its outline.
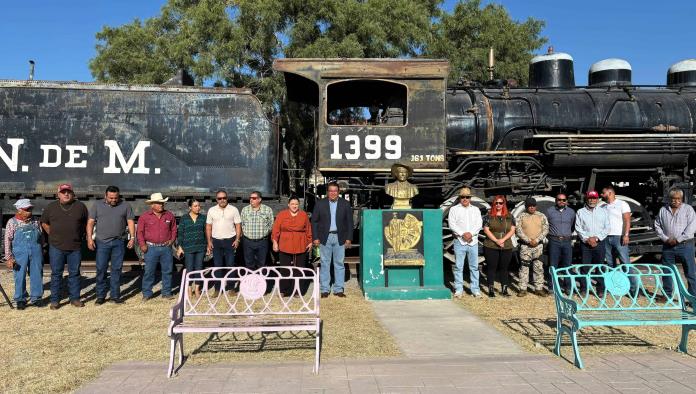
(257, 222)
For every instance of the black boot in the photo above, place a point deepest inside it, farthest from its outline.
(491, 292)
(505, 292)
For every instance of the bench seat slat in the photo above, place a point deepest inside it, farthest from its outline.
(635, 318)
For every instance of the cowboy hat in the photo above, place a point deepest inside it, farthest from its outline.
(156, 197)
(399, 165)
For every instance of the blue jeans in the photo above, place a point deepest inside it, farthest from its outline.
(223, 256)
(163, 256)
(614, 249)
(110, 250)
(193, 261)
(470, 253)
(26, 250)
(592, 256)
(683, 254)
(58, 260)
(338, 252)
(560, 256)
(255, 252)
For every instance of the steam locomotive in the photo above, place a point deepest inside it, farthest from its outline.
(498, 138)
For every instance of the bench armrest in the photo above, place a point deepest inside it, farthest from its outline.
(565, 307)
(176, 314)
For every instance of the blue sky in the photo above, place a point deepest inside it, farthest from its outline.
(651, 35)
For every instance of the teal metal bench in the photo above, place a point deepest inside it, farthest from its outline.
(579, 306)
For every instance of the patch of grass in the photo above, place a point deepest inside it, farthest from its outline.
(58, 351)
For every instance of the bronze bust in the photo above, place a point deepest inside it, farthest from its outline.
(401, 190)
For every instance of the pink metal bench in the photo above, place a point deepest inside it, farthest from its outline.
(252, 309)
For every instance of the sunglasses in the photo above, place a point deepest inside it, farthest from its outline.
(221, 198)
(499, 203)
(561, 199)
(465, 197)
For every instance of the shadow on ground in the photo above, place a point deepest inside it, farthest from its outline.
(543, 332)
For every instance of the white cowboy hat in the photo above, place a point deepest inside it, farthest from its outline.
(156, 197)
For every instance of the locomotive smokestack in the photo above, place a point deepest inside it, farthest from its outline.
(31, 70)
(491, 63)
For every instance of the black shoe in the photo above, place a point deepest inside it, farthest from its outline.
(341, 295)
(491, 293)
(117, 301)
(505, 292)
(100, 301)
(54, 306)
(21, 305)
(37, 303)
(168, 297)
(324, 295)
(147, 298)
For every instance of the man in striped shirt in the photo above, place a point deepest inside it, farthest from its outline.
(675, 225)
(257, 222)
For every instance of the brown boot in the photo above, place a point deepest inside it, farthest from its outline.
(77, 303)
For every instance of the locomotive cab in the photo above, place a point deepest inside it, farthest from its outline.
(372, 113)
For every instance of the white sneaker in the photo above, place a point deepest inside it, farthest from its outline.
(476, 294)
(458, 294)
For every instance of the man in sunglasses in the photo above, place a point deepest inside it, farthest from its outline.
(257, 222)
(561, 220)
(223, 230)
(465, 222)
(65, 221)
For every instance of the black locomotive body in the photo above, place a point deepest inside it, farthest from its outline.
(181, 141)
(500, 139)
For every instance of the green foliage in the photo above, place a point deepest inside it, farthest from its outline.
(465, 36)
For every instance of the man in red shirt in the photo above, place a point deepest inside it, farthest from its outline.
(156, 234)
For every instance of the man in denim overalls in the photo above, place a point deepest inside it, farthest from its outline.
(23, 240)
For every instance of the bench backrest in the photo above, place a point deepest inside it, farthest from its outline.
(617, 283)
(254, 292)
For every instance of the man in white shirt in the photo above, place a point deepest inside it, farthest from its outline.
(223, 230)
(465, 222)
(616, 242)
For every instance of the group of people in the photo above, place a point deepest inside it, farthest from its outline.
(109, 227)
(603, 231)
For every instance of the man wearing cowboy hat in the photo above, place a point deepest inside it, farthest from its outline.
(23, 238)
(156, 234)
(65, 221)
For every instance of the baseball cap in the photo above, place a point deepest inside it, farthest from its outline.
(64, 186)
(23, 203)
(592, 194)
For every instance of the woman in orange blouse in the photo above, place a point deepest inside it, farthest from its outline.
(292, 238)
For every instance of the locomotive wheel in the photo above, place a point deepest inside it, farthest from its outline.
(447, 238)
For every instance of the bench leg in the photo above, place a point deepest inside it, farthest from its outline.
(576, 350)
(317, 350)
(172, 350)
(683, 345)
(559, 338)
(181, 349)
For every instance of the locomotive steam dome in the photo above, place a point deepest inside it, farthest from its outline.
(682, 73)
(610, 72)
(554, 70)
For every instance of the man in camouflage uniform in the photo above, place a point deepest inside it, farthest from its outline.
(532, 227)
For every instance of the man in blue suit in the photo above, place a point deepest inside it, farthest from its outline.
(332, 226)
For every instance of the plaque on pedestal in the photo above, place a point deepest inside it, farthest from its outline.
(401, 254)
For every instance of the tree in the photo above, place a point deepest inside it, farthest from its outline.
(465, 36)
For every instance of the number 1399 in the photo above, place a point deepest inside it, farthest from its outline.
(372, 145)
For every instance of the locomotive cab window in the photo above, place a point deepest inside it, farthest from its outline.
(366, 102)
